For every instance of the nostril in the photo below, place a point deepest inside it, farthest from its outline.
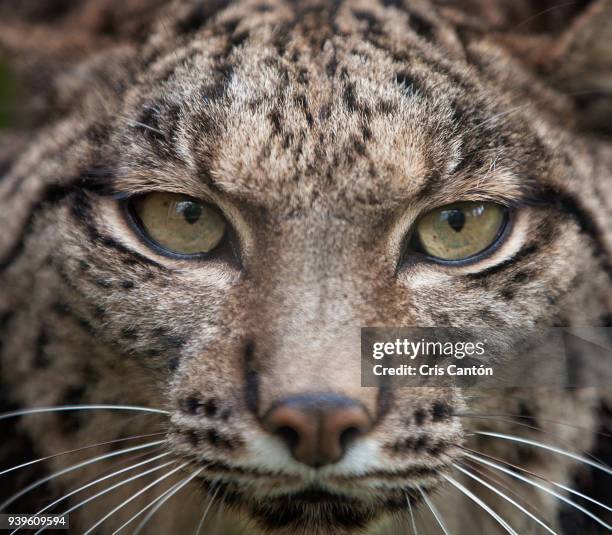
(348, 436)
(289, 436)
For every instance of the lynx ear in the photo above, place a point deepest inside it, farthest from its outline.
(579, 63)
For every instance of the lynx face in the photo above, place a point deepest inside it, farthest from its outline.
(220, 209)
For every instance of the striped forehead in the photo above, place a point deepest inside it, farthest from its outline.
(265, 115)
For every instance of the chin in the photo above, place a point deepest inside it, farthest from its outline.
(315, 510)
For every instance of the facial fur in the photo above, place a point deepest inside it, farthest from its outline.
(322, 131)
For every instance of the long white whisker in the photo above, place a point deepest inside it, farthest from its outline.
(29, 463)
(100, 479)
(539, 486)
(206, 509)
(414, 528)
(547, 447)
(482, 504)
(505, 497)
(42, 481)
(134, 496)
(161, 500)
(109, 489)
(61, 408)
(434, 511)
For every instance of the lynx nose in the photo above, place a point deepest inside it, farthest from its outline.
(317, 428)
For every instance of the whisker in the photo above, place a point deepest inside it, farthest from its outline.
(505, 497)
(538, 476)
(61, 408)
(547, 447)
(134, 496)
(44, 480)
(206, 510)
(29, 463)
(414, 529)
(132, 122)
(481, 503)
(161, 500)
(543, 12)
(541, 487)
(109, 489)
(103, 478)
(434, 511)
(511, 417)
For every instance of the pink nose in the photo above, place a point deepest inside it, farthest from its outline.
(317, 428)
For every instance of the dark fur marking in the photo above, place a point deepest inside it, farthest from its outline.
(525, 252)
(349, 97)
(507, 294)
(210, 408)
(421, 443)
(441, 411)
(81, 210)
(199, 16)
(191, 404)
(173, 364)
(302, 102)
(127, 285)
(129, 333)
(407, 82)
(51, 196)
(569, 205)
(421, 26)
(420, 416)
(251, 379)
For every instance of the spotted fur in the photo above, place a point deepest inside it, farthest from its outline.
(322, 130)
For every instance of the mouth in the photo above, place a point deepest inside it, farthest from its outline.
(315, 508)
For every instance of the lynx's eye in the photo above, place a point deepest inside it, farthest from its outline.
(178, 224)
(460, 231)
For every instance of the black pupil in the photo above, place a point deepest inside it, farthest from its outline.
(192, 211)
(456, 219)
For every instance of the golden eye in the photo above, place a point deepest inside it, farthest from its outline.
(460, 231)
(179, 224)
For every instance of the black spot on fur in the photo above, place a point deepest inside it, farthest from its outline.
(421, 26)
(213, 437)
(507, 294)
(193, 437)
(521, 276)
(441, 411)
(302, 102)
(199, 16)
(210, 408)
(173, 363)
(127, 285)
(420, 416)
(191, 404)
(421, 443)
(349, 97)
(129, 333)
(407, 82)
